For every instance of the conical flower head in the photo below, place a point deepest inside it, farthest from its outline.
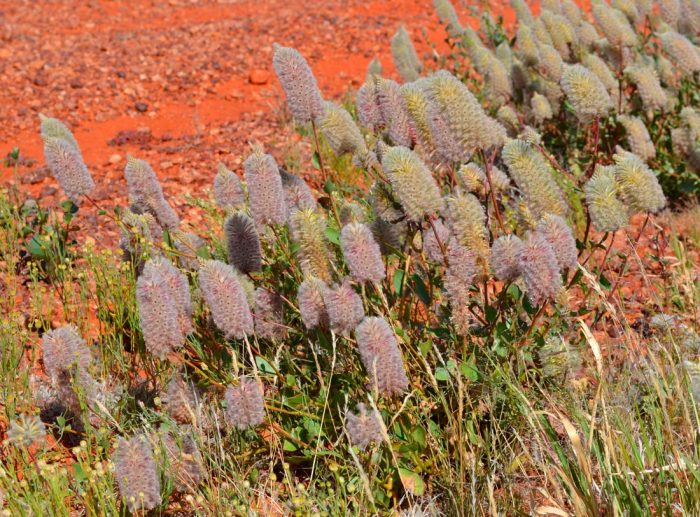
(447, 149)
(471, 177)
(587, 34)
(135, 470)
(505, 255)
(146, 194)
(299, 84)
(522, 10)
(639, 187)
(560, 237)
(245, 406)
(364, 427)
(534, 177)
(311, 305)
(185, 466)
(362, 254)
(459, 278)
(226, 298)
(243, 243)
(297, 194)
(54, 128)
(341, 132)
(448, 17)
(682, 52)
(467, 219)
(596, 65)
(614, 25)
(367, 102)
(374, 67)
(436, 239)
(586, 93)
(265, 192)
(392, 108)
(463, 115)
(62, 349)
(638, 136)
(540, 270)
(269, 315)
(608, 213)
(180, 400)
(648, 86)
(551, 64)
(381, 356)
(159, 312)
(188, 244)
(413, 183)
(541, 108)
(526, 46)
(344, 307)
(228, 190)
(405, 56)
(494, 72)
(67, 166)
(308, 229)
(176, 280)
(670, 11)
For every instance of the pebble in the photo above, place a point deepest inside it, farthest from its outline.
(258, 76)
(141, 107)
(115, 158)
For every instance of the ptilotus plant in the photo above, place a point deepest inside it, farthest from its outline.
(670, 11)
(185, 467)
(447, 149)
(392, 107)
(436, 239)
(526, 46)
(362, 253)
(245, 406)
(188, 246)
(541, 108)
(505, 255)
(243, 243)
(64, 159)
(534, 177)
(448, 17)
(342, 134)
(596, 65)
(228, 191)
(539, 268)
(561, 238)
(467, 220)
(648, 86)
(639, 188)
(146, 193)
(405, 56)
(586, 93)
(136, 473)
(608, 212)
(308, 229)
(63, 349)
(159, 312)
(681, 51)
(638, 137)
(367, 102)
(413, 183)
(522, 10)
(26, 430)
(179, 288)
(561, 32)
(614, 25)
(269, 315)
(297, 194)
(551, 65)
(226, 299)
(265, 192)
(351, 212)
(471, 177)
(180, 400)
(343, 306)
(311, 305)
(465, 118)
(496, 77)
(364, 426)
(459, 277)
(299, 84)
(381, 356)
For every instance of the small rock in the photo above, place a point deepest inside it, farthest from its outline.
(258, 76)
(40, 80)
(121, 74)
(115, 158)
(76, 83)
(141, 107)
(35, 176)
(48, 190)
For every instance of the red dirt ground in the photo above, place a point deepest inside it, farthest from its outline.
(184, 83)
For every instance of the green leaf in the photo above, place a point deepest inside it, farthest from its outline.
(333, 235)
(441, 374)
(398, 280)
(420, 289)
(418, 436)
(37, 249)
(289, 446)
(412, 482)
(468, 370)
(263, 365)
(315, 161)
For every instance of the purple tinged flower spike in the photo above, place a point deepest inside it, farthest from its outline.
(135, 470)
(245, 406)
(362, 253)
(311, 305)
(505, 254)
(269, 315)
(243, 243)
(265, 191)
(344, 307)
(226, 298)
(364, 427)
(381, 356)
(299, 84)
(540, 270)
(228, 190)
